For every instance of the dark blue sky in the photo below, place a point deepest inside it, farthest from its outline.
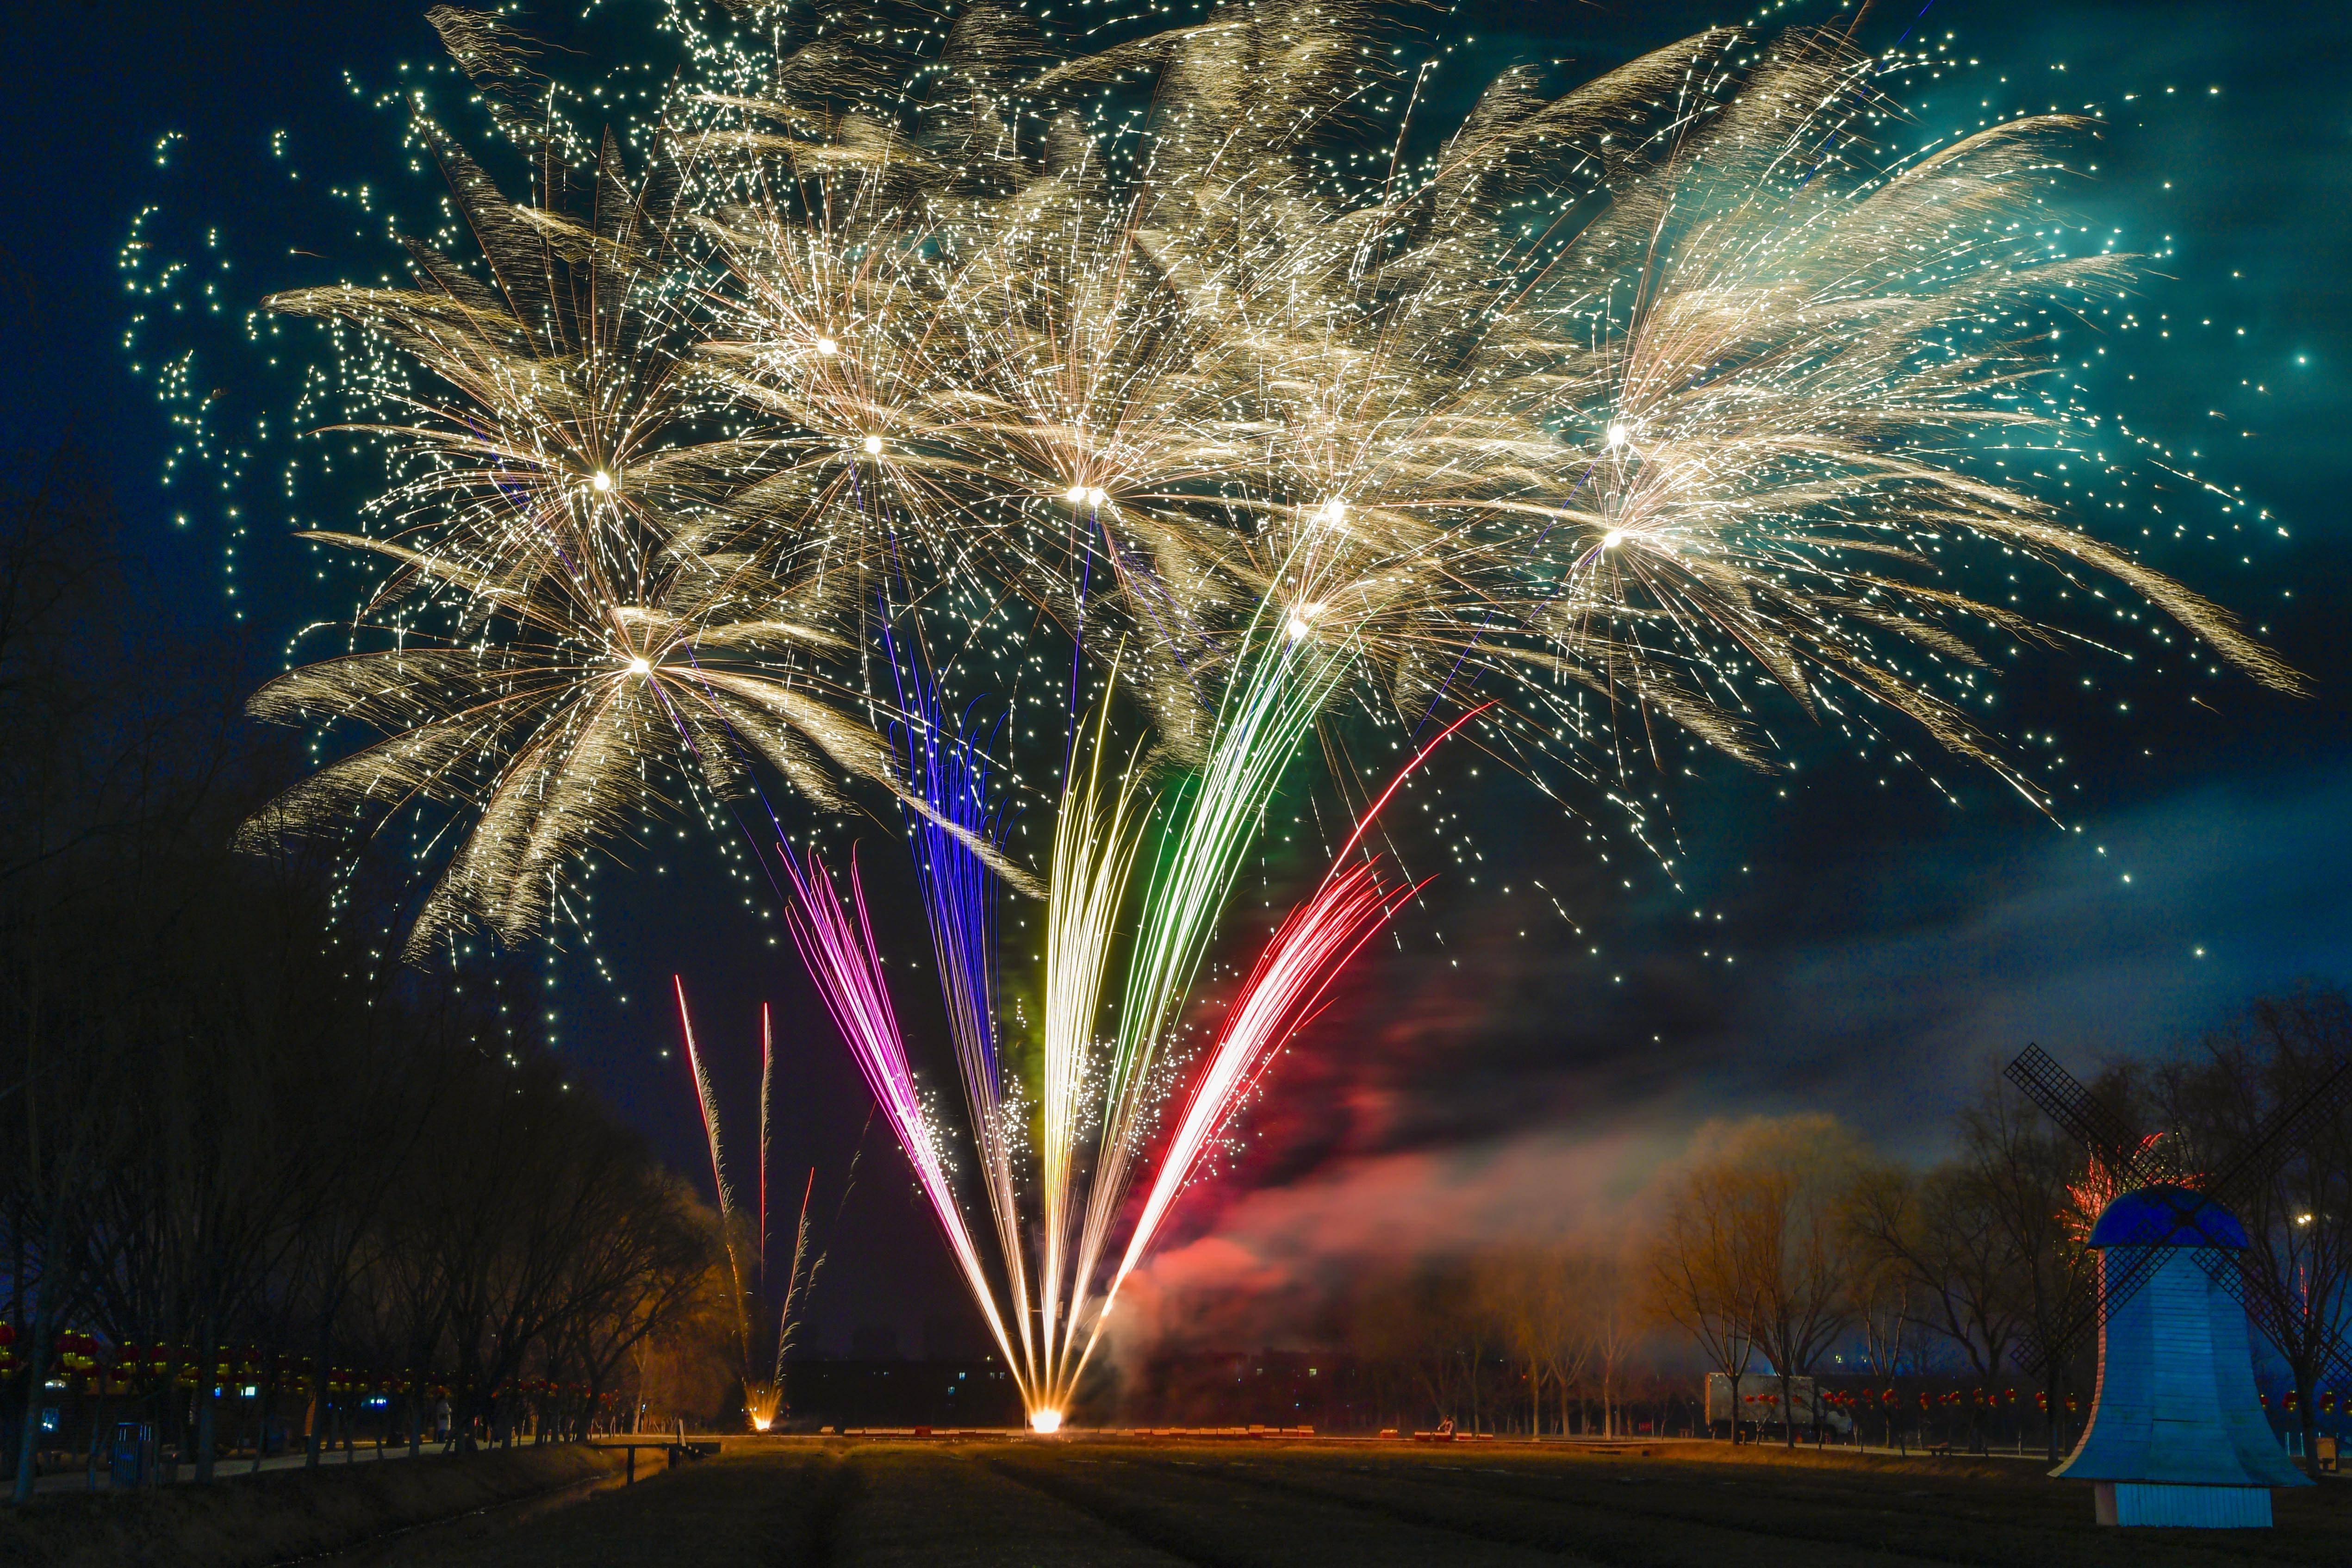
(1885, 941)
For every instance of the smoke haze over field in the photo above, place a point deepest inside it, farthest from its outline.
(1279, 1261)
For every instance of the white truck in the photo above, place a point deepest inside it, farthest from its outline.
(1759, 1398)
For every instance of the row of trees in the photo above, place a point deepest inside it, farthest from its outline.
(1511, 1340)
(229, 1138)
(1786, 1246)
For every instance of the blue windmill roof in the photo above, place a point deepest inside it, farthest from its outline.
(2166, 1215)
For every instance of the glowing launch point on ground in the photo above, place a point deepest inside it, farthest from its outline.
(1045, 1422)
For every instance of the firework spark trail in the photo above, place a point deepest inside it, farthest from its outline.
(1293, 972)
(1282, 995)
(959, 902)
(707, 1099)
(1094, 851)
(762, 1393)
(796, 1286)
(843, 960)
(1094, 855)
(1290, 676)
(767, 1108)
(1095, 847)
(809, 1259)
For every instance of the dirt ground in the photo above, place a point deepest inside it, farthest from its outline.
(1131, 1503)
(246, 1521)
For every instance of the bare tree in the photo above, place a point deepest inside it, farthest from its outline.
(1615, 1323)
(1941, 1235)
(1755, 1253)
(2297, 1210)
(2023, 1171)
(1528, 1294)
(1884, 1319)
(1700, 1267)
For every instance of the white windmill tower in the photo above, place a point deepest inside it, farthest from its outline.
(2177, 1435)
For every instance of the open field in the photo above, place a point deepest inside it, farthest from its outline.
(248, 1520)
(1126, 1503)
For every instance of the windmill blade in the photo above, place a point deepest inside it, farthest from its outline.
(2079, 1113)
(2087, 1304)
(2328, 1092)
(2276, 1314)
(2116, 1148)
(2078, 1312)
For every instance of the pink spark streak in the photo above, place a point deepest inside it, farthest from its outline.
(842, 958)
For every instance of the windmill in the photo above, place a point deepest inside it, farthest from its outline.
(2176, 1436)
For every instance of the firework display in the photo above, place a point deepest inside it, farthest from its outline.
(744, 1237)
(1159, 394)
(1098, 1106)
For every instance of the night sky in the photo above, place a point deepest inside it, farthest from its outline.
(1884, 943)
